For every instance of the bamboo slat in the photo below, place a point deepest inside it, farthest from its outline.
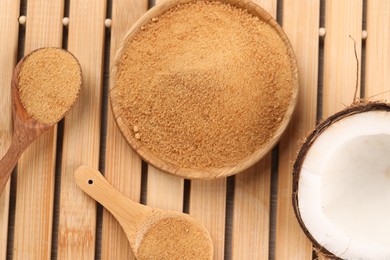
(77, 222)
(35, 180)
(172, 188)
(123, 166)
(250, 235)
(343, 19)
(377, 81)
(208, 205)
(291, 242)
(9, 12)
(162, 183)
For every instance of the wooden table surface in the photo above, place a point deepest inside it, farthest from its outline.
(43, 215)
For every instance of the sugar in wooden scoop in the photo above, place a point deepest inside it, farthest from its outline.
(205, 84)
(174, 239)
(49, 83)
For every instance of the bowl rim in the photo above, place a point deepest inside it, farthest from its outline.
(210, 172)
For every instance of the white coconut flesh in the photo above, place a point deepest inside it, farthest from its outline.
(344, 187)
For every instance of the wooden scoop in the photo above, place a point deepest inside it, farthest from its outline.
(26, 128)
(152, 233)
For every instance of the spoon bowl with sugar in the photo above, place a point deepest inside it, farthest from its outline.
(45, 85)
(152, 233)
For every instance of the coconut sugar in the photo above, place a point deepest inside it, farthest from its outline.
(49, 83)
(205, 84)
(174, 239)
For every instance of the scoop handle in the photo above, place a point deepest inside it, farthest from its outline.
(8, 162)
(128, 213)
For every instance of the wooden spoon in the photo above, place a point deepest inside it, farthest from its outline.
(26, 128)
(152, 233)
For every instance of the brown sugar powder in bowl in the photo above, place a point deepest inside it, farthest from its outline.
(174, 239)
(49, 83)
(205, 84)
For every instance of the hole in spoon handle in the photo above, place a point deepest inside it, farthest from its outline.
(92, 182)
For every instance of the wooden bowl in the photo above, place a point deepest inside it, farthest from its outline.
(211, 172)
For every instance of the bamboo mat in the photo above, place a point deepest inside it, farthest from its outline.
(43, 215)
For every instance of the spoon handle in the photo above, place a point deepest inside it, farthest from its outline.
(8, 162)
(128, 213)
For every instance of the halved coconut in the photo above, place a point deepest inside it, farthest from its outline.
(341, 188)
